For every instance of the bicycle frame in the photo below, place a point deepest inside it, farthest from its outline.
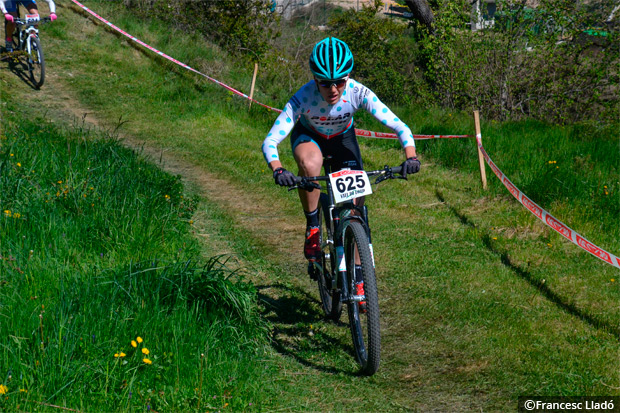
(340, 215)
(339, 219)
(26, 29)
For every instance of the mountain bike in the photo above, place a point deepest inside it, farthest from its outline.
(346, 244)
(27, 38)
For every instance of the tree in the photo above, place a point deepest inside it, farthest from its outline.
(422, 13)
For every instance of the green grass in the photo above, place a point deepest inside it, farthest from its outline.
(480, 303)
(96, 251)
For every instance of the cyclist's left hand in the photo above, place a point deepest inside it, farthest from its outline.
(9, 17)
(53, 16)
(410, 166)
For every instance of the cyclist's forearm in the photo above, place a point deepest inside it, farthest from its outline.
(275, 165)
(52, 6)
(410, 152)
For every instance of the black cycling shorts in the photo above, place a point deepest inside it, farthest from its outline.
(343, 149)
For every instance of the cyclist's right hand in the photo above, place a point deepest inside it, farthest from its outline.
(53, 16)
(284, 177)
(9, 17)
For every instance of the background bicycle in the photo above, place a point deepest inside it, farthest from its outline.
(27, 42)
(347, 258)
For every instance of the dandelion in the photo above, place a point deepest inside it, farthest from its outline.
(147, 361)
(23, 390)
(3, 389)
(139, 339)
(134, 344)
(145, 351)
(19, 164)
(7, 212)
(549, 244)
(495, 238)
(167, 197)
(12, 155)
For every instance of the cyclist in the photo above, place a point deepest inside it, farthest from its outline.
(9, 10)
(319, 118)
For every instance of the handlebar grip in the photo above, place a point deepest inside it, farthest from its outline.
(397, 169)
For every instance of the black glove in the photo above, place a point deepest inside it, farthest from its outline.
(410, 166)
(284, 177)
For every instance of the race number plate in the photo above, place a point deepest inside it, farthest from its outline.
(348, 184)
(32, 18)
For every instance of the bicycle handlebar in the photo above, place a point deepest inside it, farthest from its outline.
(307, 182)
(22, 22)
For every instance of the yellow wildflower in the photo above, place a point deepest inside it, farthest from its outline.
(145, 350)
(147, 361)
(3, 389)
(133, 343)
(19, 164)
(139, 339)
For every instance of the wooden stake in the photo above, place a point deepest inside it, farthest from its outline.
(483, 172)
(253, 82)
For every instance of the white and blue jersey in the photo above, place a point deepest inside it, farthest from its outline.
(308, 107)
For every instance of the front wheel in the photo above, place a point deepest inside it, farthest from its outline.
(36, 62)
(364, 322)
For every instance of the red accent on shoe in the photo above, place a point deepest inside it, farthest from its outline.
(312, 245)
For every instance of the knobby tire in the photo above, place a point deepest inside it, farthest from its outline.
(36, 63)
(365, 329)
(330, 297)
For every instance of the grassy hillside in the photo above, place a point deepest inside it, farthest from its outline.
(480, 302)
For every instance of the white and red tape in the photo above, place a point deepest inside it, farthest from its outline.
(534, 208)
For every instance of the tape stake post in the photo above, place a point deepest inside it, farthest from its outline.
(483, 172)
(253, 83)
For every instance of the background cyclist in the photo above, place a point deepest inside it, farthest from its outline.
(9, 10)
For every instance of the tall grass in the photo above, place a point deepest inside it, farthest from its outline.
(95, 252)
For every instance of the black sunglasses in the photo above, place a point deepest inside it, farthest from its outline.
(327, 83)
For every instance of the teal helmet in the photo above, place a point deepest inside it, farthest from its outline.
(331, 58)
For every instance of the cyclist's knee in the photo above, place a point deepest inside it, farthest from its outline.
(309, 163)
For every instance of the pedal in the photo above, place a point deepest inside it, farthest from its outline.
(313, 270)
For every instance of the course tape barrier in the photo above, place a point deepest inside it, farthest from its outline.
(358, 132)
(546, 217)
(162, 54)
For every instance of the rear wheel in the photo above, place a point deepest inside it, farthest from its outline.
(364, 324)
(36, 62)
(330, 297)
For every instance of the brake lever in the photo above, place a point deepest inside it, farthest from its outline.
(305, 185)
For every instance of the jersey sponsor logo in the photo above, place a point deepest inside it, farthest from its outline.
(330, 120)
(295, 102)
